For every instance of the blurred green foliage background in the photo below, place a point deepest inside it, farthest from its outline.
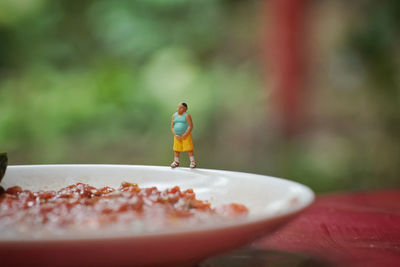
(96, 81)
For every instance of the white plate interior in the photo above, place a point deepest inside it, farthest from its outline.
(266, 197)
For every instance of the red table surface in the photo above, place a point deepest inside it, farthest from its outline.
(350, 229)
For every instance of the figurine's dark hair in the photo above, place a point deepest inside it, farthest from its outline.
(183, 104)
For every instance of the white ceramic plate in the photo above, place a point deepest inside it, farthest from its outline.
(271, 202)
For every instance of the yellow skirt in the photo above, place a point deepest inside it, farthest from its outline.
(183, 145)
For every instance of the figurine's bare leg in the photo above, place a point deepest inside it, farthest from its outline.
(175, 163)
(192, 161)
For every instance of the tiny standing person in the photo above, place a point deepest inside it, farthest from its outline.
(181, 127)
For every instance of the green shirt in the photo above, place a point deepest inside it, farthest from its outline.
(180, 124)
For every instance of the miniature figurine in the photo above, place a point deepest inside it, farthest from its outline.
(181, 127)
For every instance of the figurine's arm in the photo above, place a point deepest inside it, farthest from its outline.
(190, 127)
(172, 125)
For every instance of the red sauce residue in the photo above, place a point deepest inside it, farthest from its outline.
(82, 204)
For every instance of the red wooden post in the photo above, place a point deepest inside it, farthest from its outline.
(285, 46)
